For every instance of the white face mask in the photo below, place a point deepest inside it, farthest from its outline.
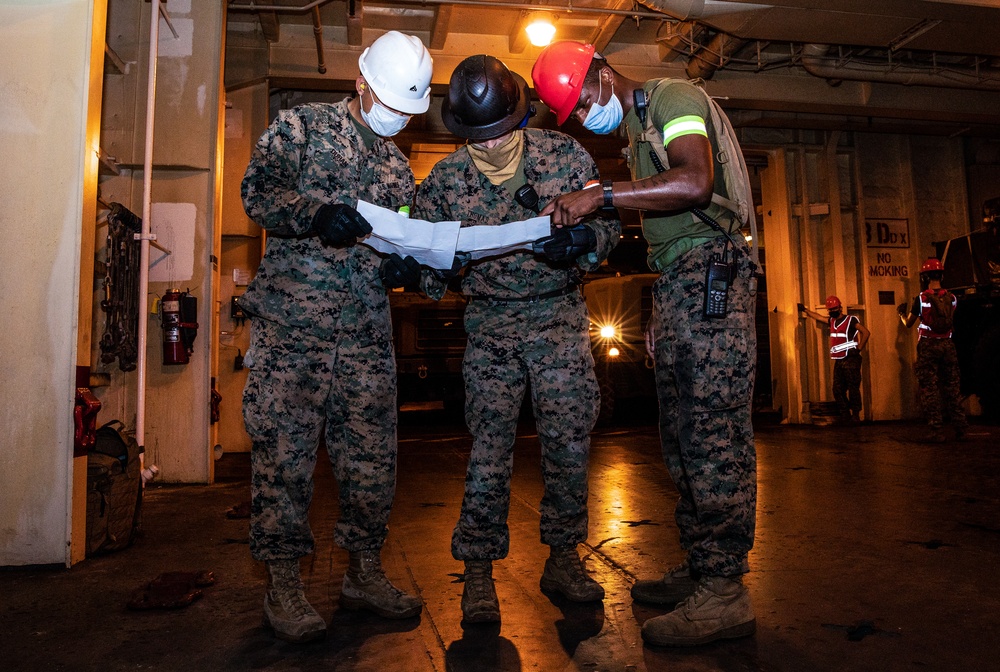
(382, 120)
(603, 119)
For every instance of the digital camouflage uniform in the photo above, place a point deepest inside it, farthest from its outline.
(704, 367)
(938, 378)
(511, 343)
(321, 354)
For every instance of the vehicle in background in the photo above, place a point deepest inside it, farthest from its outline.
(429, 339)
(972, 274)
(620, 307)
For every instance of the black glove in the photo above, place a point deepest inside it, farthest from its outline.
(567, 244)
(446, 274)
(801, 307)
(396, 271)
(339, 224)
(902, 309)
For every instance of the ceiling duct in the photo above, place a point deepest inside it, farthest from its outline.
(685, 10)
(712, 56)
(816, 61)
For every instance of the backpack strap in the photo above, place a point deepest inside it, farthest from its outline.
(729, 156)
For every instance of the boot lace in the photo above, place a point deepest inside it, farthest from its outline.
(570, 562)
(682, 568)
(290, 590)
(478, 581)
(371, 573)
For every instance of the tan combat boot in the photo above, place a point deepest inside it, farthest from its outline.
(286, 610)
(673, 587)
(479, 596)
(564, 574)
(366, 587)
(719, 609)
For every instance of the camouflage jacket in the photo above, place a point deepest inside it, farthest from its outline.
(312, 155)
(553, 163)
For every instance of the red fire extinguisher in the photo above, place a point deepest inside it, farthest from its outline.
(179, 315)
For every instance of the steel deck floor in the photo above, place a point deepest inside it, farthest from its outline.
(873, 552)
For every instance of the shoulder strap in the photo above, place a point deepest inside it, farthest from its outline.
(729, 156)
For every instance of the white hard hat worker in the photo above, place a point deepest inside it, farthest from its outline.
(395, 82)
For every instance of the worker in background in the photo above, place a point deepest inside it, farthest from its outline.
(701, 335)
(321, 359)
(938, 378)
(526, 322)
(847, 339)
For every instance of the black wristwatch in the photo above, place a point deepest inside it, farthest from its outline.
(609, 197)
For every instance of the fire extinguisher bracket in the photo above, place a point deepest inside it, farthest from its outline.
(151, 237)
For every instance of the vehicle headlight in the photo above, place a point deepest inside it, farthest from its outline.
(608, 331)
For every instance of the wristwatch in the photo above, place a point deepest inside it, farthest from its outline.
(609, 197)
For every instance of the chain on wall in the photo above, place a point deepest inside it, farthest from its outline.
(121, 289)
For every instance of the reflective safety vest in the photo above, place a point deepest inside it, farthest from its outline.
(926, 317)
(841, 341)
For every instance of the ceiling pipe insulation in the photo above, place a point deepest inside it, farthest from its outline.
(567, 8)
(707, 59)
(817, 62)
(686, 10)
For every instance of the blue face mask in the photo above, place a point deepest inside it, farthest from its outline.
(603, 119)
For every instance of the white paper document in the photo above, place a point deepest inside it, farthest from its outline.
(434, 244)
(491, 241)
(430, 243)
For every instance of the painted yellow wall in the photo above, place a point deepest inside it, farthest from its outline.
(44, 104)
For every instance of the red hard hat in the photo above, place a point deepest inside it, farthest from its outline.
(931, 264)
(558, 75)
(832, 302)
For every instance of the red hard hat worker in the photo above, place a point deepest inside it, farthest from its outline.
(930, 265)
(558, 76)
(832, 302)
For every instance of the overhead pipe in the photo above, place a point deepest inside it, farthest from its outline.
(687, 10)
(567, 8)
(679, 38)
(318, 34)
(712, 56)
(815, 61)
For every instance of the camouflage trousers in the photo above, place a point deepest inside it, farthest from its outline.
(511, 344)
(704, 380)
(939, 382)
(300, 387)
(847, 383)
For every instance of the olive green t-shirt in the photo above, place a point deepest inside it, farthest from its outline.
(676, 108)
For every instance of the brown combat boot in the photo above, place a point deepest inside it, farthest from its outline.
(673, 587)
(479, 595)
(719, 609)
(366, 587)
(286, 609)
(564, 574)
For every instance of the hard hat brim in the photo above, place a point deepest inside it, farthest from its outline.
(497, 128)
(404, 105)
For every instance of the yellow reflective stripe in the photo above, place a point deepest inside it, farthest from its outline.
(683, 126)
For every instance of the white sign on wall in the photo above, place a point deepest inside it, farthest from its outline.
(174, 226)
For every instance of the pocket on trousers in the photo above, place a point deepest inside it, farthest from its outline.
(720, 367)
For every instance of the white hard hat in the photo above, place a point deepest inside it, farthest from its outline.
(398, 68)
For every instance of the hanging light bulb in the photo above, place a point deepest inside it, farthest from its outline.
(540, 30)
